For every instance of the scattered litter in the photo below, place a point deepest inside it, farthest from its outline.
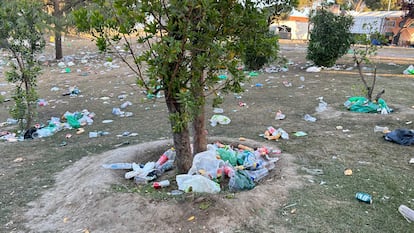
(407, 213)
(287, 83)
(258, 85)
(363, 197)
(95, 134)
(73, 91)
(409, 70)
(218, 110)
(309, 118)
(41, 102)
(408, 122)
(274, 69)
(274, 134)
(107, 121)
(116, 166)
(339, 127)
(314, 171)
(125, 104)
(54, 89)
(411, 161)
(313, 69)
(300, 134)
(18, 160)
(321, 106)
(279, 115)
(253, 74)
(381, 129)
(348, 172)
(220, 119)
(403, 137)
(242, 104)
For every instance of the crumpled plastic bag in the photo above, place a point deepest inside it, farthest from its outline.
(220, 119)
(240, 181)
(403, 137)
(196, 183)
(206, 163)
(362, 104)
(313, 69)
(409, 70)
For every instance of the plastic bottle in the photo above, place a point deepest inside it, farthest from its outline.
(161, 184)
(257, 175)
(407, 213)
(167, 155)
(310, 118)
(118, 166)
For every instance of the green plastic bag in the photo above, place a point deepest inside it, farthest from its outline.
(362, 104)
(240, 181)
(72, 121)
(228, 155)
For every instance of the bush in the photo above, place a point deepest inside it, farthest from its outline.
(259, 52)
(330, 38)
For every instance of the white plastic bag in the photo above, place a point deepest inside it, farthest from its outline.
(197, 183)
(206, 163)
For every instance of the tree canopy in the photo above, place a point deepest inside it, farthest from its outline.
(180, 47)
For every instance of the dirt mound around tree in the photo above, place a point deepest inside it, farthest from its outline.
(83, 200)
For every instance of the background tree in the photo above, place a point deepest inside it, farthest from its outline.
(22, 23)
(280, 9)
(408, 7)
(60, 9)
(330, 37)
(184, 46)
(382, 5)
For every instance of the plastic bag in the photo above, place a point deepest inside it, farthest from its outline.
(223, 120)
(206, 164)
(240, 181)
(196, 183)
(72, 121)
(228, 155)
(362, 104)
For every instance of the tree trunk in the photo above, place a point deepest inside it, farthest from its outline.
(57, 13)
(200, 133)
(184, 157)
(29, 104)
(58, 45)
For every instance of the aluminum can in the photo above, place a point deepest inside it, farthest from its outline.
(364, 197)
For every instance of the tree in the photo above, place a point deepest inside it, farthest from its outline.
(361, 55)
(408, 7)
(376, 5)
(330, 37)
(280, 9)
(22, 23)
(187, 44)
(60, 8)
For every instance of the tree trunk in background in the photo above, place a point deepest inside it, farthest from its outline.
(57, 13)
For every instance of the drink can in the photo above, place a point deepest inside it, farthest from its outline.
(364, 197)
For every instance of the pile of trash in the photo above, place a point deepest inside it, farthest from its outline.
(75, 120)
(236, 167)
(362, 104)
